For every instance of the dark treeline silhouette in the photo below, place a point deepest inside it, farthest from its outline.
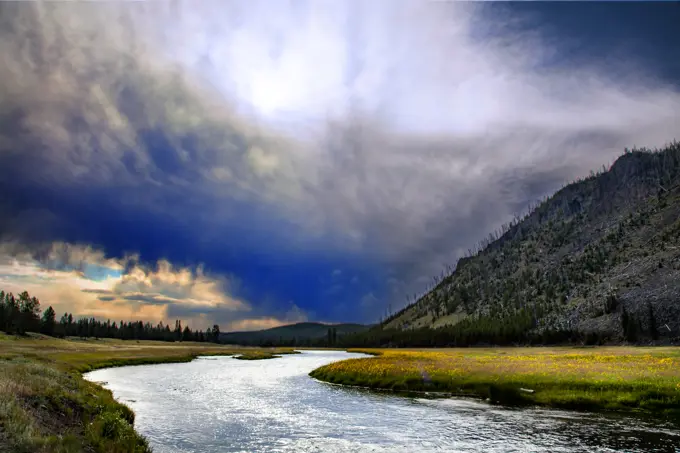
(473, 331)
(488, 331)
(22, 314)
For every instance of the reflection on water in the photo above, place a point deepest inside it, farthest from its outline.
(220, 404)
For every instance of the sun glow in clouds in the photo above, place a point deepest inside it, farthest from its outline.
(82, 281)
(419, 68)
(268, 95)
(285, 63)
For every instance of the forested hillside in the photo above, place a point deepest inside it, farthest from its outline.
(597, 262)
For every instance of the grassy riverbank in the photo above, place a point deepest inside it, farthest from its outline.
(627, 379)
(46, 405)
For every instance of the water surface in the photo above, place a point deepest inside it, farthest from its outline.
(220, 404)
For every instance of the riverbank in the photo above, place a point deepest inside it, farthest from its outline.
(626, 379)
(47, 406)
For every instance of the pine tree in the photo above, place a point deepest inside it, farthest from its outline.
(3, 311)
(186, 334)
(29, 313)
(629, 326)
(216, 333)
(178, 330)
(653, 329)
(48, 322)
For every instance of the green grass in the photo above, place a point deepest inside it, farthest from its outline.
(46, 405)
(260, 355)
(622, 379)
(44, 409)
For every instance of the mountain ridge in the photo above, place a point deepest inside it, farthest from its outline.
(598, 261)
(301, 333)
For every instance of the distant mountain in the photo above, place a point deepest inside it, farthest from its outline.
(300, 334)
(599, 261)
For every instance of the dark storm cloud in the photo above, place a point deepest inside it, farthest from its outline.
(388, 138)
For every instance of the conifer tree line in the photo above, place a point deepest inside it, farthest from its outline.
(511, 330)
(23, 313)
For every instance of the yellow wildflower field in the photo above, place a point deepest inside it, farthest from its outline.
(617, 378)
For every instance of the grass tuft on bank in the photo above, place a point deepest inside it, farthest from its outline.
(627, 379)
(47, 407)
(262, 355)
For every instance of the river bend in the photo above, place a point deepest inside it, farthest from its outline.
(220, 404)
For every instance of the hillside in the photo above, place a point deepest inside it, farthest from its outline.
(599, 261)
(304, 333)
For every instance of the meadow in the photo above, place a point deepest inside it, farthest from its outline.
(46, 405)
(627, 379)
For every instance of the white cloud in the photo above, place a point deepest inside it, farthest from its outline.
(160, 293)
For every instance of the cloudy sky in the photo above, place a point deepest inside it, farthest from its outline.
(255, 163)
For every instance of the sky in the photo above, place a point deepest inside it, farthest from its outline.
(252, 164)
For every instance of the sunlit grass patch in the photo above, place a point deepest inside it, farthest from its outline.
(613, 378)
(262, 355)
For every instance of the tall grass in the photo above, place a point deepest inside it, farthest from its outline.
(600, 379)
(46, 405)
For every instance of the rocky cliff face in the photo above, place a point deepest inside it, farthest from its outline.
(600, 257)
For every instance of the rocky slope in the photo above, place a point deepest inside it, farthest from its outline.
(601, 257)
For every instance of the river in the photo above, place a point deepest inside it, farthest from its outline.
(220, 404)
